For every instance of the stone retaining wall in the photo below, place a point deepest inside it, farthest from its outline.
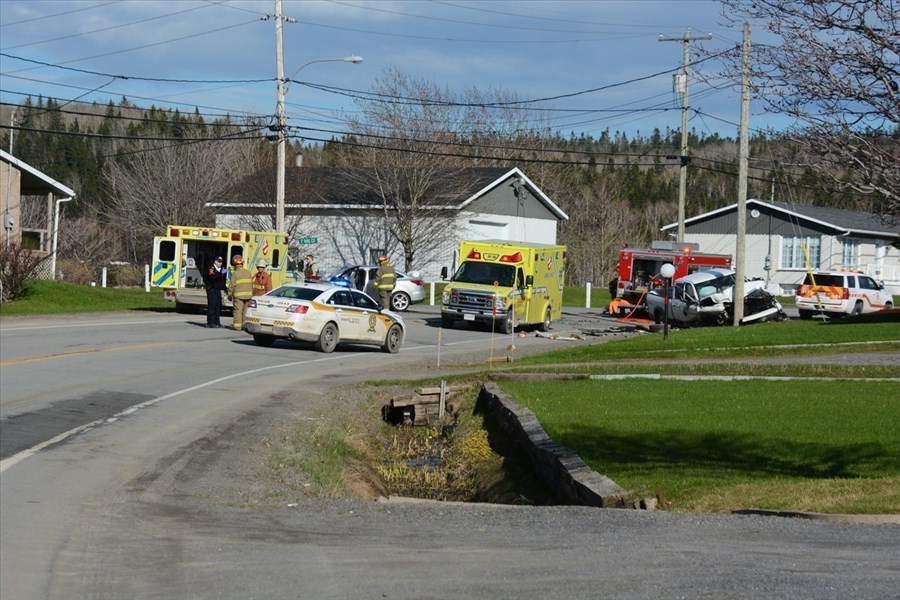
(559, 467)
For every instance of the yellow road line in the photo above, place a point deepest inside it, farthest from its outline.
(28, 359)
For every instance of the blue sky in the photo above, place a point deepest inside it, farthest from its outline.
(535, 49)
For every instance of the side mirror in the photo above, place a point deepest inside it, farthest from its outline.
(529, 281)
(443, 272)
(881, 285)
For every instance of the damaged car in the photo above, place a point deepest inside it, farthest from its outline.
(707, 298)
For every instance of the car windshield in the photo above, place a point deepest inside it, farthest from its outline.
(715, 286)
(295, 293)
(485, 273)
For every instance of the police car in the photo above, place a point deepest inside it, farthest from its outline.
(324, 314)
(836, 293)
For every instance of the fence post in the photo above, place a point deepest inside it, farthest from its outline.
(587, 295)
(147, 278)
(103, 277)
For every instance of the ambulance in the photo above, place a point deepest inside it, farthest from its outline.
(504, 284)
(180, 256)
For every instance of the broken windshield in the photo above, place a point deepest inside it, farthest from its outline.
(486, 274)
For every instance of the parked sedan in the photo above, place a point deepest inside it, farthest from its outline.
(324, 314)
(410, 289)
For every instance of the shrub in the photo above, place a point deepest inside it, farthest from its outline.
(18, 265)
(77, 272)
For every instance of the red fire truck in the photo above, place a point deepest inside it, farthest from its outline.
(638, 269)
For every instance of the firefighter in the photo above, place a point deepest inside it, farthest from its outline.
(262, 279)
(385, 280)
(214, 279)
(240, 290)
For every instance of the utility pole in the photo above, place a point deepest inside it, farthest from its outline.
(681, 86)
(743, 165)
(279, 110)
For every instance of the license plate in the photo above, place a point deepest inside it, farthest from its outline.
(265, 328)
(468, 317)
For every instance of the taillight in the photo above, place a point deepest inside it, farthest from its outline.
(845, 293)
(804, 290)
(298, 309)
(418, 282)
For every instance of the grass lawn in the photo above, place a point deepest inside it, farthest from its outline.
(829, 446)
(56, 297)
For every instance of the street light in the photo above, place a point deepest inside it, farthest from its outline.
(667, 271)
(282, 132)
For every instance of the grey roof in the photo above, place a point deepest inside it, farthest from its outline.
(332, 187)
(844, 221)
(34, 182)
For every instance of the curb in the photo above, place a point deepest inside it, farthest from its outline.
(816, 516)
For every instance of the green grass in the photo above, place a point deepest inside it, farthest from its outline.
(723, 445)
(52, 297)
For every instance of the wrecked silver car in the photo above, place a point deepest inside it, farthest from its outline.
(707, 298)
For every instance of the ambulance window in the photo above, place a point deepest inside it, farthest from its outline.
(276, 259)
(167, 251)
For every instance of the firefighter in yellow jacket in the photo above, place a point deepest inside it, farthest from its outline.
(385, 280)
(240, 290)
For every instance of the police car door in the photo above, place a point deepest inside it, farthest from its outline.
(350, 320)
(373, 325)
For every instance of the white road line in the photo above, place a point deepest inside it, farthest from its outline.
(91, 324)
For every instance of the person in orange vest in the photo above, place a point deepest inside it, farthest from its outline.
(241, 290)
(262, 279)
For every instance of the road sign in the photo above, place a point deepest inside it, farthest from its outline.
(307, 241)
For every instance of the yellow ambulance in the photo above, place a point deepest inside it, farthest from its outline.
(181, 255)
(505, 284)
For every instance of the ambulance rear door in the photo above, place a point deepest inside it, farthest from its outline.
(166, 270)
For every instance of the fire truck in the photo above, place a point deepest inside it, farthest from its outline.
(638, 269)
(180, 256)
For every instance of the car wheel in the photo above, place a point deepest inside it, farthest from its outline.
(263, 340)
(545, 324)
(328, 338)
(447, 322)
(888, 305)
(857, 308)
(400, 301)
(393, 340)
(806, 314)
(507, 325)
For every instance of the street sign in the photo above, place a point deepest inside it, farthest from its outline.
(307, 241)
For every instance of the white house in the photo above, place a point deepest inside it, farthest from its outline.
(777, 233)
(340, 223)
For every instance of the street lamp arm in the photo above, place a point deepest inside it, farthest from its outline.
(353, 58)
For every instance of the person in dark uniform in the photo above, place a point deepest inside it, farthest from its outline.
(215, 279)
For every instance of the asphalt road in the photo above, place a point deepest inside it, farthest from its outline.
(131, 443)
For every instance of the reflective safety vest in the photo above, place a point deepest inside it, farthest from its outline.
(385, 278)
(262, 283)
(242, 284)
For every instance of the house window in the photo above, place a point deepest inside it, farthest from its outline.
(850, 252)
(792, 255)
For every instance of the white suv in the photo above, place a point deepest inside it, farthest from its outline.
(841, 293)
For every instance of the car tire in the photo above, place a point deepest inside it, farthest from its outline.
(545, 324)
(400, 301)
(447, 322)
(888, 306)
(263, 340)
(393, 340)
(805, 314)
(328, 338)
(857, 308)
(506, 326)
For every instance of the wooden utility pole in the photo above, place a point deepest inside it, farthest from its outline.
(681, 86)
(743, 162)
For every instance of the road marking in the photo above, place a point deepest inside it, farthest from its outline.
(28, 359)
(20, 456)
(91, 324)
